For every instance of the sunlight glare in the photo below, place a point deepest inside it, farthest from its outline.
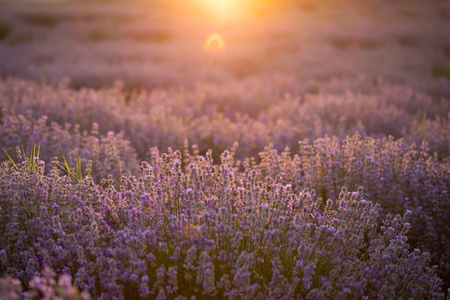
(222, 9)
(234, 10)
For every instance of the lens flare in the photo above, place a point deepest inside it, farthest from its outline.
(214, 44)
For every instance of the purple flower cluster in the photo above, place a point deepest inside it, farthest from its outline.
(398, 177)
(359, 215)
(108, 154)
(214, 116)
(41, 287)
(186, 227)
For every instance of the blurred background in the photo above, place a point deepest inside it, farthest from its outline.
(326, 45)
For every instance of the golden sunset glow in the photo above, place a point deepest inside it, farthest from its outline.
(216, 149)
(214, 44)
(222, 9)
(235, 10)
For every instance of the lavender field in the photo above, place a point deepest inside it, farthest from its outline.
(201, 149)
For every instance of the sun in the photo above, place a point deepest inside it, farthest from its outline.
(234, 10)
(222, 9)
(221, 5)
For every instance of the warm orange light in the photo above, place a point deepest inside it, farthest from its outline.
(229, 11)
(222, 9)
(223, 6)
(214, 44)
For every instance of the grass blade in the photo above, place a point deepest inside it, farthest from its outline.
(10, 159)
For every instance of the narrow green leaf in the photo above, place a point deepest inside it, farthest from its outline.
(67, 165)
(79, 168)
(33, 163)
(10, 158)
